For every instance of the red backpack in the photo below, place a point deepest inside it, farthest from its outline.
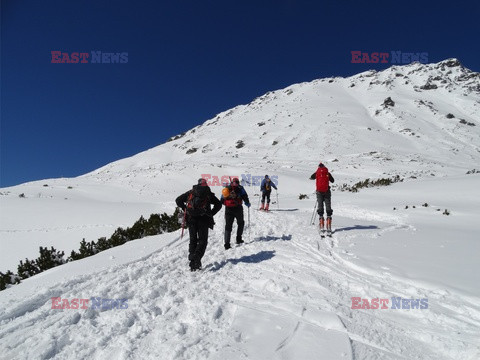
(233, 198)
(322, 179)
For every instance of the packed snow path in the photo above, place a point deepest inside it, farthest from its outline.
(284, 294)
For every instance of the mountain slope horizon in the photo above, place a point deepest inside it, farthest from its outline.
(421, 117)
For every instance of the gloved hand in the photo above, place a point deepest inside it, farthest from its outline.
(247, 205)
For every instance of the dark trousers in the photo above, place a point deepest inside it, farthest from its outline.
(232, 213)
(266, 194)
(198, 229)
(324, 197)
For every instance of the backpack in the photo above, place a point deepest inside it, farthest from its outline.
(198, 201)
(233, 199)
(322, 179)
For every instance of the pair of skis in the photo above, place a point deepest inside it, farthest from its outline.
(325, 232)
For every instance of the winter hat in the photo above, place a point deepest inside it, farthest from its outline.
(202, 182)
(266, 176)
(235, 181)
(321, 164)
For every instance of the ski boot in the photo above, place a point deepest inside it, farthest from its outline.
(322, 226)
(228, 234)
(195, 265)
(329, 225)
(261, 207)
(266, 207)
(239, 239)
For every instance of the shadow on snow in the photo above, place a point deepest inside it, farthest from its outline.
(357, 227)
(273, 238)
(249, 259)
(283, 210)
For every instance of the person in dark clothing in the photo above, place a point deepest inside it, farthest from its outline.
(266, 189)
(232, 197)
(199, 217)
(324, 195)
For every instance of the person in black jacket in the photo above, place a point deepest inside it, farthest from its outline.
(199, 217)
(232, 197)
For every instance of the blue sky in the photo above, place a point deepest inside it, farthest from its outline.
(187, 61)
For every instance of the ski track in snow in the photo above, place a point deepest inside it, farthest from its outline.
(285, 280)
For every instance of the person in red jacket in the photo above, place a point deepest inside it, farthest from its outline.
(324, 195)
(233, 196)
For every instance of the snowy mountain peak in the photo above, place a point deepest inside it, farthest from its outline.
(449, 74)
(413, 121)
(452, 62)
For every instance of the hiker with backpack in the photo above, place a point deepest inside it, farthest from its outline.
(196, 203)
(266, 189)
(324, 195)
(232, 197)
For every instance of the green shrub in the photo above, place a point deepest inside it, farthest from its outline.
(27, 269)
(49, 258)
(103, 244)
(86, 249)
(370, 183)
(8, 278)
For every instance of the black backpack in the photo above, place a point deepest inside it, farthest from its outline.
(198, 201)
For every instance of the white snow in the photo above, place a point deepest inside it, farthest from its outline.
(286, 293)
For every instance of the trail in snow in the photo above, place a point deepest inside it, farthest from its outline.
(284, 294)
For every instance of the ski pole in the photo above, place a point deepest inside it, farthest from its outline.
(312, 219)
(224, 223)
(278, 205)
(249, 233)
(183, 222)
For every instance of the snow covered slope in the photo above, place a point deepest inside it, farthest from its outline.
(287, 293)
(414, 121)
(418, 133)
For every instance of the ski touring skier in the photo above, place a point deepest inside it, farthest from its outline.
(266, 189)
(196, 203)
(232, 197)
(324, 196)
